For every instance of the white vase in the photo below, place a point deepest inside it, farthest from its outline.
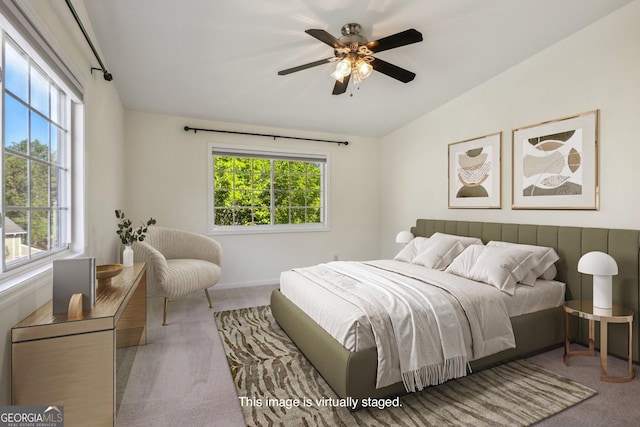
(127, 256)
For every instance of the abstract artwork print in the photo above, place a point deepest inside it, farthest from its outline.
(551, 164)
(474, 172)
(473, 169)
(555, 164)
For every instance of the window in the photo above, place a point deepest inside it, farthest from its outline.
(254, 190)
(35, 158)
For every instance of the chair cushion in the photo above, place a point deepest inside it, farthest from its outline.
(185, 276)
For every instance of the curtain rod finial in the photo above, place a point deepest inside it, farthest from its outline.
(107, 75)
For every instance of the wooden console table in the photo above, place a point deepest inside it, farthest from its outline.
(72, 363)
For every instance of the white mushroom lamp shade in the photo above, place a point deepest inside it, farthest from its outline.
(404, 237)
(602, 266)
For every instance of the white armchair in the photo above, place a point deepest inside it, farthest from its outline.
(179, 263)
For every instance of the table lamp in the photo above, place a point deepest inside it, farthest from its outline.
(602, 266)
(404, 237)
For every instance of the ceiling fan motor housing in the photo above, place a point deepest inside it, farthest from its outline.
(351, 34)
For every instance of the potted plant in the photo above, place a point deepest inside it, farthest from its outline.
(128, 235)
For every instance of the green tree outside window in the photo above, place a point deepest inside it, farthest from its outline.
(251, 191)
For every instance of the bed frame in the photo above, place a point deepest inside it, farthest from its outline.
(354, 373)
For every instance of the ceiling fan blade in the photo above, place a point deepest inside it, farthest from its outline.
(325, 37)
(305, 66)
(396, 40)
(341, 87)
(391, 70)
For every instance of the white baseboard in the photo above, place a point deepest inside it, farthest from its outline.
(245, 284)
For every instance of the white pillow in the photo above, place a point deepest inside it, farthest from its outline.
(498, 266)
(409, 252)
(439, 253)
(466, 241)
(546, 258)
(463, 263)
(550, 273)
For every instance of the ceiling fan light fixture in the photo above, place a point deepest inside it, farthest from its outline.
(336, 75)
(343, 67)
(364, 69)
(355, 78)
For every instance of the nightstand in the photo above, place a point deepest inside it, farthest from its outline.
(586, 310)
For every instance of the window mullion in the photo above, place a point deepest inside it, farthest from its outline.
(272, 192)
(234, 203)
(28, 154)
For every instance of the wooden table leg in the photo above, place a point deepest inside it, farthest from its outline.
(604, 375)
(567, 342)
(603, 349)
(631, 373)
(566, 339)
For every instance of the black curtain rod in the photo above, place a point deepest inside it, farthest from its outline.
(195, 130)
(107, 75)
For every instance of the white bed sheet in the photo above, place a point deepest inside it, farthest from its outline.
(351, 327)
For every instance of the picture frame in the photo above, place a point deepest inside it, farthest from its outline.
(475, 167)
(555, 164)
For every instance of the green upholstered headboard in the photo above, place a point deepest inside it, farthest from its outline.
(570, 243)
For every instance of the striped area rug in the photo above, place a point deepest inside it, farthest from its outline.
(277, 386)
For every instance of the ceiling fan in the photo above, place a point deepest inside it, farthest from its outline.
(354, 55)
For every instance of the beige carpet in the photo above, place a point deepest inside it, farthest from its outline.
(277, 386)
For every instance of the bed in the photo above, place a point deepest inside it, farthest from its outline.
(351, 368)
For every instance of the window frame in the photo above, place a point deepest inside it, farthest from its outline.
(73, 226)
(270, 153)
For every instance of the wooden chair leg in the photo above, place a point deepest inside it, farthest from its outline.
(206, 291)
(164, 315)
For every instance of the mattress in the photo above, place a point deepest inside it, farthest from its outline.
(348, 325)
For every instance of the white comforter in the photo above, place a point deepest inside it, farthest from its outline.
(417, 333)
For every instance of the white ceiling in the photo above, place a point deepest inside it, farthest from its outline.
(218, 60)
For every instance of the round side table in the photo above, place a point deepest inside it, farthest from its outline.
(586, 310)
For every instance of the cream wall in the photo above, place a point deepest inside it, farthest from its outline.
(596, 68)
(166, 170)
(104, 169)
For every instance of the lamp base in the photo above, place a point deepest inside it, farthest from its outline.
(602, 292)
(608, 312)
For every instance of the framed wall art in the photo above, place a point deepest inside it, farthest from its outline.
(555, 164)
(474, 172)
